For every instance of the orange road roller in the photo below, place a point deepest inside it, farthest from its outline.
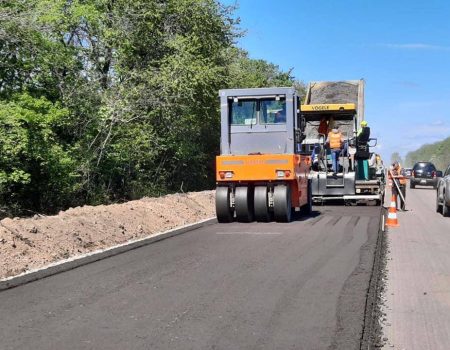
(261, 173)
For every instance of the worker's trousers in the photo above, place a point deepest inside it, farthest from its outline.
(398, 197)
(363, 169)
(315, 155)
(335, 153)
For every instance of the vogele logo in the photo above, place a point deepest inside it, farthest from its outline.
(320, 108)
(254, 162)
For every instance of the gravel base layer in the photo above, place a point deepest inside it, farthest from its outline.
(373, 331)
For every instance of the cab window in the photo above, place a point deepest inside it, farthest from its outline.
(273, 111)
(262, 111)
(243, 112)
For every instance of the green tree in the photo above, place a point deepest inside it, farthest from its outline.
(246, 72)
(122, 97)
(438, 153)
(37, 171)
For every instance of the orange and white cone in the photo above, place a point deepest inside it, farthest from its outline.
(392, 220)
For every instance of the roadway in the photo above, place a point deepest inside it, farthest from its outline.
(417, 294)
(301, 285)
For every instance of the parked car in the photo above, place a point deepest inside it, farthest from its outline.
(424, 174)
(406, 172)
(443, 194)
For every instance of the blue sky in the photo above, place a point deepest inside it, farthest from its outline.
(401, 48)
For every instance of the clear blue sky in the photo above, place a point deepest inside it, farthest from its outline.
(401, 48)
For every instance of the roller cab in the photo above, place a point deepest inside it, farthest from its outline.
(259, 173)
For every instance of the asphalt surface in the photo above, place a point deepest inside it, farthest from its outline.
(417, 294)
(301, 285)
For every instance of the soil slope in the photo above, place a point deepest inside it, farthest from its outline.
(30, 243)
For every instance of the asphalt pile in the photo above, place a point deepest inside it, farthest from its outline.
(334, 92)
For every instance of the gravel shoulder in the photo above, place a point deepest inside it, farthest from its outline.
(417, 299)
(30, 243)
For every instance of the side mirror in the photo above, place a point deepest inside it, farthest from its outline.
(301, 123)
(373, 142)
(438, 173)
(299, 136)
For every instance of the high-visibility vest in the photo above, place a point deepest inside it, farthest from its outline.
(335, 140)
(397, 175)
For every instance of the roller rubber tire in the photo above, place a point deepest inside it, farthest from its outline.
(243, 202)
(224, 212)
(261, 203)
(282, 207)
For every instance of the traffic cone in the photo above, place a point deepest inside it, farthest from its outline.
(392, 213)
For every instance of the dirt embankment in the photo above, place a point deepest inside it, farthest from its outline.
(30, 243)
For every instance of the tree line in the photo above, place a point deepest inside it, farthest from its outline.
(110, 100)
(438, 153)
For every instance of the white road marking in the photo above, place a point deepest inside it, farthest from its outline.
(248, 233)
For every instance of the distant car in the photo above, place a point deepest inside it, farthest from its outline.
(406, 172)
(443, 194)
(424, 174)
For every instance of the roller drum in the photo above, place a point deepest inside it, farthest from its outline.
(282, 203)
(261, 196)
(224, 211)
(243, 202)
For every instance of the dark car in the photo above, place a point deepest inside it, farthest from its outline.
(443, 194)
(424, 174)
(406, 172)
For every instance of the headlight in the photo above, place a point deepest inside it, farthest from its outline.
(283, 173)
(226, 174)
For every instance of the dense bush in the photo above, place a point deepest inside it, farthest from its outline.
(36, 169)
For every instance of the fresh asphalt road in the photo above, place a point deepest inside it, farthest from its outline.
(300, 285)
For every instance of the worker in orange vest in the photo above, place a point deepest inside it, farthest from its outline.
(396, 171)
(336, 142)
(323, 127)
